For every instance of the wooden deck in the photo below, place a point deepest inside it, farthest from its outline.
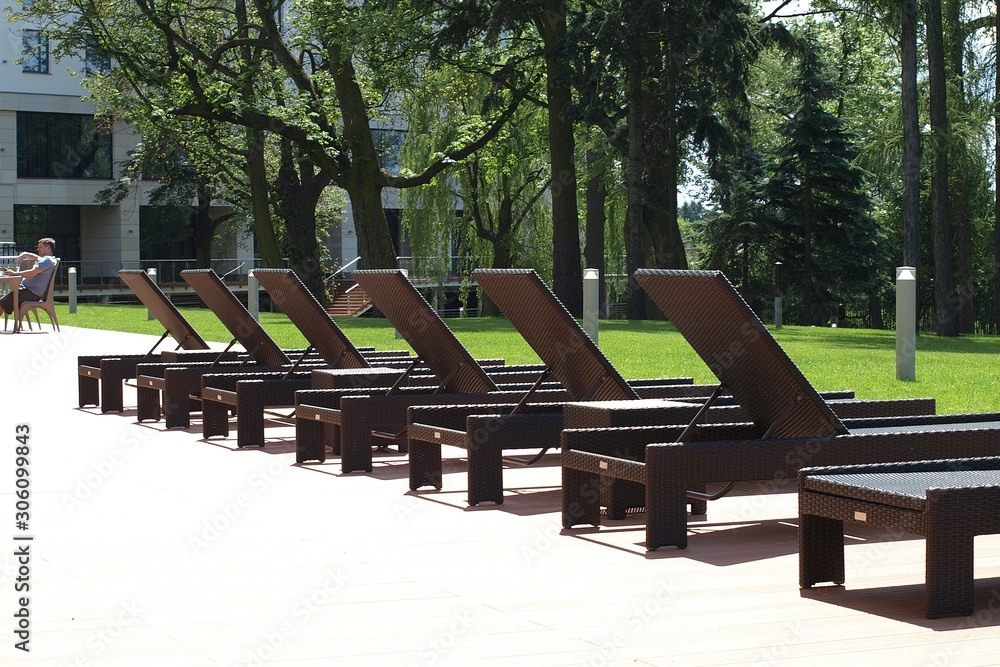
(155, 547)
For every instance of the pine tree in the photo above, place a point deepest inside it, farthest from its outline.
(825, 236)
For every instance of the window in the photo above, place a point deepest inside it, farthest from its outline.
(62, 223)
(388, 143)
(96, 62)
(35, 50)
(166, 232)
(57, 145)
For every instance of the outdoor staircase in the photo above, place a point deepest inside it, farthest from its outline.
(349, 300)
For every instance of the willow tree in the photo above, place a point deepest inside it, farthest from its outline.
(490, 209)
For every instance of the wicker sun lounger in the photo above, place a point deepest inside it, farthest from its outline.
(791, 426)
(252, 394)
(569, 355)
(101, 377)
(180, 383)
(349, 419)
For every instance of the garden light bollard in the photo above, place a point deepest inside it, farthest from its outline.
(152, 276)
(591, 302)
(906, 323)
(253, 296)
(72, 288)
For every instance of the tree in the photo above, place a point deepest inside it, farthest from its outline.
(945, 307)
(224, 66)
(661, 79)
(827, 237)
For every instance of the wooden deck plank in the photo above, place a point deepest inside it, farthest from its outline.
(231, 557)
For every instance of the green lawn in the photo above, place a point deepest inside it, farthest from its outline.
(962, 374)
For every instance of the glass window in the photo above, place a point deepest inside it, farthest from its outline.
(388, 143)
(62, 223)
(56, 145)
(35, 51)
(96, 62)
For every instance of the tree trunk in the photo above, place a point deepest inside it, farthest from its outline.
(299, 190)
(597, 194)
(204, 230)
(263, 226)
(808, 283)
(996, 184)
(567, 275)
(911, 136)
(363, 181)
(959, 177)
(634, 226)
(944, 302)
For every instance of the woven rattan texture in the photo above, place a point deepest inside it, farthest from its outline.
(425, 331)
(291, 296)
(162, 309)
(553, 334)
(236, 318)
(736, 346)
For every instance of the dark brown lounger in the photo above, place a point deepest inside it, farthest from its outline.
(792, 427)
(253, 393)
(570, 357)
(178, 382)
(101, 376)
(350, 424)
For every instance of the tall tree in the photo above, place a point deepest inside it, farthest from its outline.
(824, 227)
(223, 66)
(910, 113)
(945, 306)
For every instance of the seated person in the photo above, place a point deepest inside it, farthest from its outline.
(34, 280)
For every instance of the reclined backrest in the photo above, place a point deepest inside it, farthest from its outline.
(234, 315)
(709, 312)
(162, 309)
(420, 325)
(558, 339)
(309, 317)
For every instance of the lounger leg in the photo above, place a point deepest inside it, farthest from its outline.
(581, 498)
(250, 414)
(214, 418)
(698, 506)
(666, 515)
(356, 441)
(148, 404)
(821, 550)
(309, 443)
(425, 464)
(111, 391)
(621, 495)
(176, 398)
(950, 586)
(485, 472)
(89, 389)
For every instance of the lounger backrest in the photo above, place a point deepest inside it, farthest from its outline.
(709, 312)
(234, 315)
(420, 325)
(308, 315)
(558, 339)
(162, 309)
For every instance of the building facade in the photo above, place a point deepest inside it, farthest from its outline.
(54, 161)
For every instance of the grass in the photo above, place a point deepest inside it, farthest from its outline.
(961, 373)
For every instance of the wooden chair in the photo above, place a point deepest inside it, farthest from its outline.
(25, 308)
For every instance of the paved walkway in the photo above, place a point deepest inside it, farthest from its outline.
(158, 548)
